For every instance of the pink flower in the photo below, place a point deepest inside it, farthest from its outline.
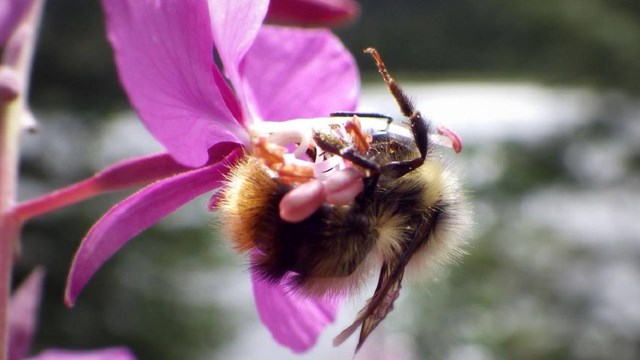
(17, 26)
(313, 12)
(11, 13)
(164, 52)
(23, 309)
(116, 353)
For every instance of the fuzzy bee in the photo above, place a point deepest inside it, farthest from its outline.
(410, 212)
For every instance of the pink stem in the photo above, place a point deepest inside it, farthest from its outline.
(18, 55)
(57, 199)
(119, 176)
(9, 234)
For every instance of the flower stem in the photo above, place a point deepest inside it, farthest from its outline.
(57, 199)
(9, 231)
(118, 176)
(9, 131)
(17, 56)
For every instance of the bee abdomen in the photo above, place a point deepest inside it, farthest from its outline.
(284, 247)
(331, 243)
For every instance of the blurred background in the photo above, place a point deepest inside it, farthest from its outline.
(545, 97)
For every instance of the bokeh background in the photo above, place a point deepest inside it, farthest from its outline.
(545, 96)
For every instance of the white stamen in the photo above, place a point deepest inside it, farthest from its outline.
(322, 169)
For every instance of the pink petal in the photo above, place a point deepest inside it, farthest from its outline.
(104, 354)
(310, 74)
(299, 203)
(453, 139)
(136, 213)
(235, 25)
(23, 314)
(127, 173)
(164, 55)
(294, 321)
(312, 12)
(11, 13)
(10, 83)
(343, 186)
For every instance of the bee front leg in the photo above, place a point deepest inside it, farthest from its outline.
(336, 146)
(419, 127)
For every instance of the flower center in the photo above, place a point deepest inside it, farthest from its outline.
(288, 148)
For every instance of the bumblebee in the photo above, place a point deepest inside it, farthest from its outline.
(410, 214)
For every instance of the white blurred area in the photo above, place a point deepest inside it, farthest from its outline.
(483, 112)
(600, 217)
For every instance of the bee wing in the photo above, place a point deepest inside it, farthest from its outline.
(378, 306)
(385, 305)
(387, 291)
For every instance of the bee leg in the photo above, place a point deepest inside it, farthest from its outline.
(336, 146)
(420, 130)
(406, 107)
(419, 127)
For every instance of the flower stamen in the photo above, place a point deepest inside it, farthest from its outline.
(361, 139)
(273, 156)
(447, 137)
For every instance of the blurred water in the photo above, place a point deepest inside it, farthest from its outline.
(553, 270)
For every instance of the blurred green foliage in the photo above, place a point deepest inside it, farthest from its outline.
(593, 42)
(134, 300)
(74, 68)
